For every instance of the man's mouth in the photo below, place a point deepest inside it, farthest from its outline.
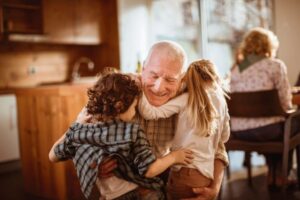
(159, 94)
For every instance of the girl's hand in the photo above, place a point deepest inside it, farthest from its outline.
(183, 156)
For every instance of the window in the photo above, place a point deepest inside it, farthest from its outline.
(226, 23)
(179, 21)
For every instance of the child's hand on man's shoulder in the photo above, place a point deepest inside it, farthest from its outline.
(83, 117)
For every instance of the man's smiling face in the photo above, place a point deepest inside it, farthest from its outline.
(160, 78)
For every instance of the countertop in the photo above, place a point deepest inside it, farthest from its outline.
(62, 88)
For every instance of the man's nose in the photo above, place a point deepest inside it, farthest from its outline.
(158, 85)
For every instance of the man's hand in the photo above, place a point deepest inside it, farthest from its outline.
(106, 167)
(212, 191)
(204, 193)
(83, 116)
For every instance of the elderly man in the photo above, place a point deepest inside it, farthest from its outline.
(161, 81)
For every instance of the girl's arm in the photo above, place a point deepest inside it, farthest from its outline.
(146, 162)
(182, 156)
(173, 106)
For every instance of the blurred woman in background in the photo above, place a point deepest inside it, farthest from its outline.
(256, 69)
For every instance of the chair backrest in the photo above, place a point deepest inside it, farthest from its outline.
(255, 104)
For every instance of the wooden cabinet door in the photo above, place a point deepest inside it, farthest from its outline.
(87, 22)
(40, 120)
(72, 21)
(43, 117)
(59, 21)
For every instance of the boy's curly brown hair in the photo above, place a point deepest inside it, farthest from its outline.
(111, 95)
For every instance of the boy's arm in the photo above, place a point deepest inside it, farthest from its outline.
(60, 145)
(173, 106)
(63, 149)
(52, 156)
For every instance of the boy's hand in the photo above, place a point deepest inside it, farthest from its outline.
(183, 156)
(83, 116)
(106, 167)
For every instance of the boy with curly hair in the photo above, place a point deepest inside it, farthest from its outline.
(112, 103)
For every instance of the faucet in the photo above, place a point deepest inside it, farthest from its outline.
(75, 72)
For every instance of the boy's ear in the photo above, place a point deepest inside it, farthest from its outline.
(119, 105)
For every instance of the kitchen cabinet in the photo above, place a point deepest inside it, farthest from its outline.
(59, 21)
(44, 114)
(55, 22)
(21, 17)
(72, 22)
(87, 22)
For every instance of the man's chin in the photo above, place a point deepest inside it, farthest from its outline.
(157, 102)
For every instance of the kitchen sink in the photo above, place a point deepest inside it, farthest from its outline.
(85, 80)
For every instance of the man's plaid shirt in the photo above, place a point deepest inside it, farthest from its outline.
(161, 132)
(88, 144)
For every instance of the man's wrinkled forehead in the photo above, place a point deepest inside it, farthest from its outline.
(165, 74)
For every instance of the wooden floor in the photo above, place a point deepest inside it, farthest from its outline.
(237, 188)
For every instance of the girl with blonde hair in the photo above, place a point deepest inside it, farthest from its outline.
(203, 122)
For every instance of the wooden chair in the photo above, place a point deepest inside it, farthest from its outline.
(265, 104)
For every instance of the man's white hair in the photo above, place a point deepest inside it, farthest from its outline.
(171, 49)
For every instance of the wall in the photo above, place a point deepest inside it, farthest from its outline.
(31, 64)
(287, 28)
(28, 64)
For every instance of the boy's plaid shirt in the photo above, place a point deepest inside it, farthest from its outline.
(88, 144)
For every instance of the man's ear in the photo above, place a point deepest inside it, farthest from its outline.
(182, 76)
(182, 84)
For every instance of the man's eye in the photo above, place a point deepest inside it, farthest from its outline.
(171, 80)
